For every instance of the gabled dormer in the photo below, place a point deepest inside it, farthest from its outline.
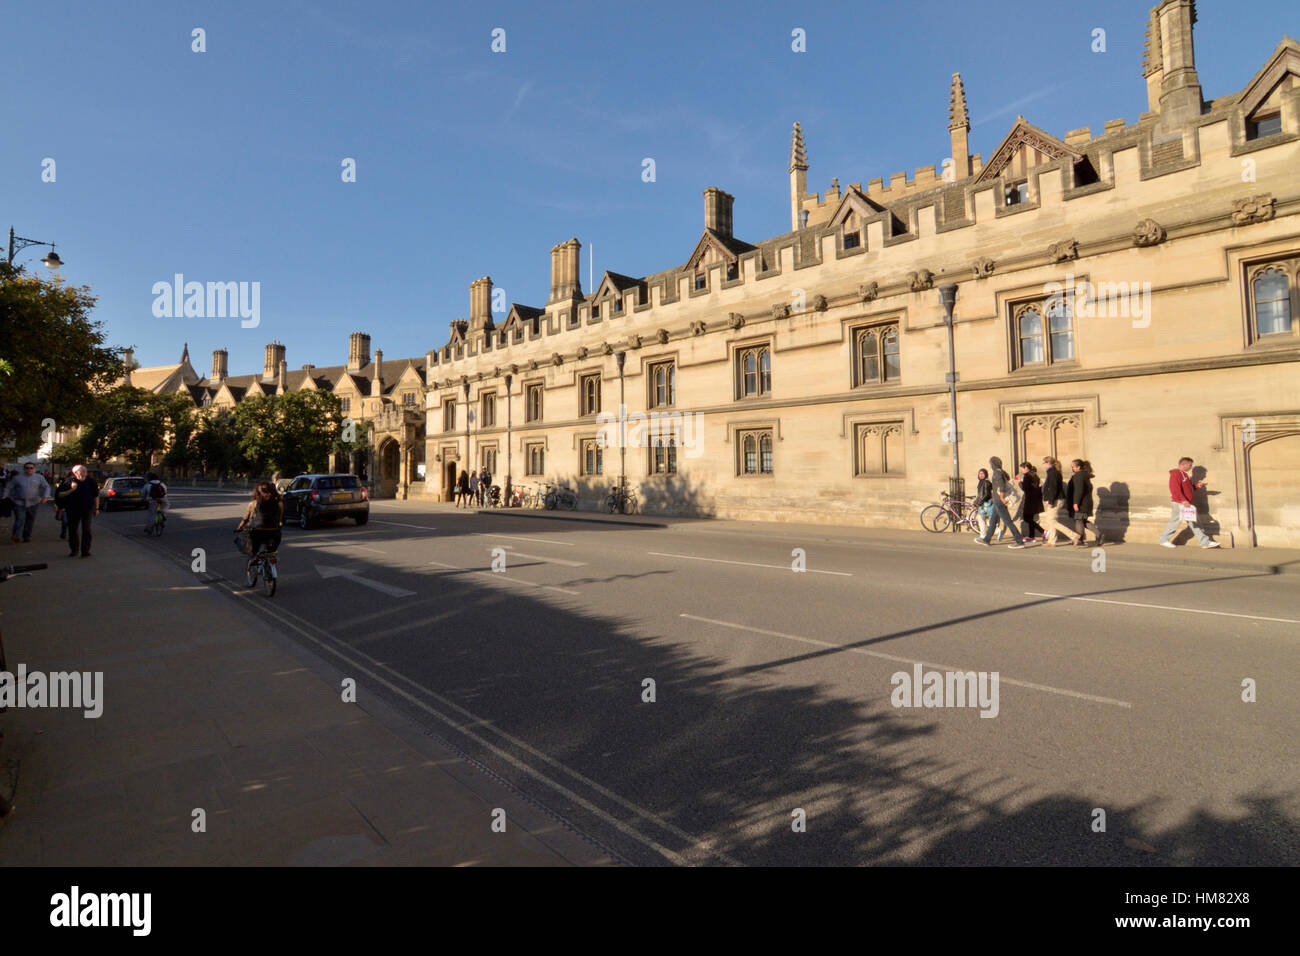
(717, 244)
(1261, 100)
(1024, 148)
(522, 320)
(852, 215)
(607, 300)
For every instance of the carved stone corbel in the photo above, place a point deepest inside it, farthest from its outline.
(983, 267)
(582, 353)
(735, 319)
(557, 359)
(781, 310)
(697, 328)
(1259, 208)
(869, 291)
(1148, 232)
(819, 303)
(1064, 250)
(662, 336)
(922, 280)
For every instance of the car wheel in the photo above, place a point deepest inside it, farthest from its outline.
(304, 521)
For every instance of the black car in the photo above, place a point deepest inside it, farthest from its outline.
(122, 493)
(310, 499)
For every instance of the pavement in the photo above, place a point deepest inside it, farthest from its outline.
(207, 707)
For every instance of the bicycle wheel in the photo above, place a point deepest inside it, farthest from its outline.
(549, 501)
(630, 507)
(569, 502)
(269, 577)
(936, 518)
(250, 572)
(159, 522)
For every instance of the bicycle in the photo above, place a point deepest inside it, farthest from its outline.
(951, 512)
(11, 571)
(264, 566)
(621, 500)
(557, 496)
(159, 522)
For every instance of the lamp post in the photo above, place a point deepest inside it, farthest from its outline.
(17, 244)
(509, 500)
(948, 298)
(468, 413)
(621, 357)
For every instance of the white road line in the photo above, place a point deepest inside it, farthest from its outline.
(1165, 607)
(335, 544)
(748, 564)
(542, 557)
(403, 524)
(909, 660)
(520, 537)
(471, 720)
(502, 578)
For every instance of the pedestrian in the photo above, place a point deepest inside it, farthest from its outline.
(1079, 492)
(982, 506)
(264, 517)
(1183, 506)
(462, 489)
(1015, 502)
(473, 488)
(28, 492)
(485, 486)
(1054, 520)
(1003, 492)
(81, 501)
(1033, 507)
(61, 513)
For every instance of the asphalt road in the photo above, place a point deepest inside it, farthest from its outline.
(1119, 692)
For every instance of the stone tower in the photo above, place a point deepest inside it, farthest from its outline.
(798, 176)
(220, 365)
(1169, 64)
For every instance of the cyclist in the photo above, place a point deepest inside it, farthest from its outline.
(155, 493)
(264, 517)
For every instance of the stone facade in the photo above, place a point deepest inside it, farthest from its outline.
(1127, 298)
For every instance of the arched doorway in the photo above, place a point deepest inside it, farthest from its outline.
(389, 468)
(1275, 511)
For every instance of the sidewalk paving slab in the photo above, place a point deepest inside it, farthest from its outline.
(208, 706)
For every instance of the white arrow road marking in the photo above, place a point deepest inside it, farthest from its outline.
(540, 557)
(331, 572)
(748, 564)
(1165, 607)
(909, 660)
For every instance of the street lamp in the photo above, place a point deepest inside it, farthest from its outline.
(509, 499)
(17, 244)
(948, 298)
(621, 358)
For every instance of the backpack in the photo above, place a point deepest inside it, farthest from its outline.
(157, 490)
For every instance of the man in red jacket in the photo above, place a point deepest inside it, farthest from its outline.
(1180, 496)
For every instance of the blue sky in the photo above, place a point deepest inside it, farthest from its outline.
(225, 165)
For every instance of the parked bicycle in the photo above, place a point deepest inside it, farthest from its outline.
(622, 500)
(955, 513)
(557, 496)
(10, 784)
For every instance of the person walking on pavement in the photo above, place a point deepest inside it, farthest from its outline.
(1183, 506)
(81, 501)
(485, 487)
(28, 492)
(1003, 492)
(1079, 491)
(473, 488)
(982, 506)
(1015, 503)
(1053, 521)
(1033, 507)
(462, 490)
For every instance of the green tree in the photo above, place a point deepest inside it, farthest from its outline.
(291, 433)
(217, 443)
(128, 422)
(55, 352)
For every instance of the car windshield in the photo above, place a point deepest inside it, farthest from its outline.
(337, 481)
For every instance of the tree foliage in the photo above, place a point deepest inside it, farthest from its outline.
(55, 354)
(291, 433)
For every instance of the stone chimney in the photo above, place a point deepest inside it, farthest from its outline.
(480, 305)
(959, 128)
(274, 356)
(358, 351)
(717, 211)
(128, 363)
(282, 377)
(377, 381)
(798, 177)
(1169, 44)
(565, 262)
(220, 365)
